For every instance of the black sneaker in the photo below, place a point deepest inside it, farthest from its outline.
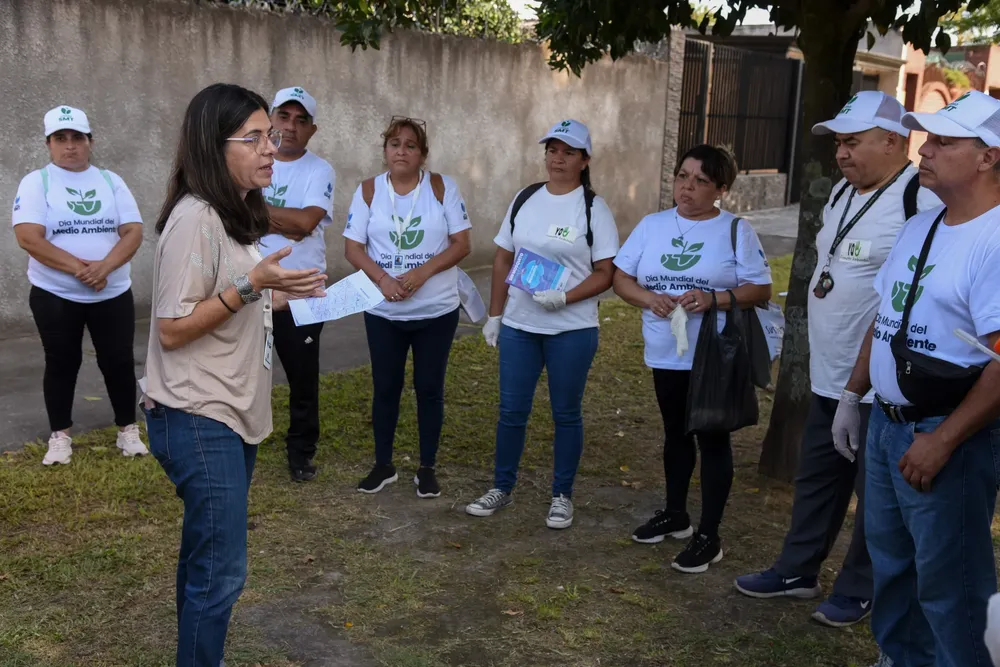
(700, 552)
(378, 478)
(305, 472)
(675, 524)
(427, 484)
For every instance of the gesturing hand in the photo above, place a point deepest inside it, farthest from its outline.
(269, 274)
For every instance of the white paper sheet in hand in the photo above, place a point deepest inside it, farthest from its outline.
(353, 294)
(678, 327)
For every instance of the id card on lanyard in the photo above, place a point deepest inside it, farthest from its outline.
(268, 317)
(402, 224)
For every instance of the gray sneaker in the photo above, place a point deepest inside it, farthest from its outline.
(560, 513)
(494, 500)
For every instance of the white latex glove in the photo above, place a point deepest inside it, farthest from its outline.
(993, 629)
(550, 299)
(491, 330)
(847, 425)
(678, 327)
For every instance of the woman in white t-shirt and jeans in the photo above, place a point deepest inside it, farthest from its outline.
(676, 259)
(80, 227)
(551, 329)
(407, 229)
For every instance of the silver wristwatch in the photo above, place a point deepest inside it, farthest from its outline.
(245, 289)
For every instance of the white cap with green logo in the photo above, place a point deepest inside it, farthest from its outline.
(572, 133)
(295, 94)
(865, 111)
(974, 114)
(66, 118)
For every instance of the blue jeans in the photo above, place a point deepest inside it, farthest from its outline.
(931, 552)
(211, 468)
(568, 357)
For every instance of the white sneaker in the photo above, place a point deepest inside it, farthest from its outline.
(60, 449)
(130, 443)
(560, 513)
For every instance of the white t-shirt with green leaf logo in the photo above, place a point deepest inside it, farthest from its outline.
(555, 227)
(81, 215)
(957, 290)
(426, 236)
(668, 254)
(308, 181)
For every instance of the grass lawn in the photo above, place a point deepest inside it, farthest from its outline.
(87, 551)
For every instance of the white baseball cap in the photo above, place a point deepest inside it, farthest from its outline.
(295, 94)
(572, 133)
(66, 118)
(974, 114)
(866, 111)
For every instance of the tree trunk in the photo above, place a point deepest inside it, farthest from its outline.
(829, 44)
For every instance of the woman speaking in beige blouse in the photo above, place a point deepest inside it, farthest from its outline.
(207, 389)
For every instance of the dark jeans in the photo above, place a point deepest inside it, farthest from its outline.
(932, 551)
(389, 342)
(679, 454)
(60, 325)
(567, 357)
(211, 468)
(298, 351)
(823, 488)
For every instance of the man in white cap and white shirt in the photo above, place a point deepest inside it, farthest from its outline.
(300, 201)
(879, 191)
(933, 442)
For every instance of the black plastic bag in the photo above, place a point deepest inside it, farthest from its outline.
(756, 341)
(721, 396)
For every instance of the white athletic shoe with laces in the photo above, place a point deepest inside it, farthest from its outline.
(60, 449)
(560, 513)
(130, 443)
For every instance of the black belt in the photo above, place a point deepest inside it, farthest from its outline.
(904, 414)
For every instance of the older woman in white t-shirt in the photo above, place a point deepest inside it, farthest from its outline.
(563, 221)
(677, 259)
(80, 227)
(408, 230)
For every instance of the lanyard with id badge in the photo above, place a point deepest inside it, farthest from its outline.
(401, 223)
(825, 283)
(268, 316)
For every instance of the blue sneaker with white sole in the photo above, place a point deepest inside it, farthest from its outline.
(840, 611)
(770, 584)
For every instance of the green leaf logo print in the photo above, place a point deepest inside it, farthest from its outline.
(900, 289)
(275, 198)
(412, 237)
(954, 105)
(86, 205)
(847, 107)
(683, 260)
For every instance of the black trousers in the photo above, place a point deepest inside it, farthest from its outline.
(679, 454)
(823, 488)
(298, 351)
(389, 342)
(60, 325)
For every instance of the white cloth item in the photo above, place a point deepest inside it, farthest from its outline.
(431, 225)
(839, 321)
(572, 133)
(308, 181)
(491, 330)
(541, 227)
(65, 117)
(550, 299)
(992, 635)
(472, 300)
(295, 94)
(668, 254)
(81, 215)
(678, 327)
(974, 114)
(866, 110)
(846, 427)
(957, 291)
